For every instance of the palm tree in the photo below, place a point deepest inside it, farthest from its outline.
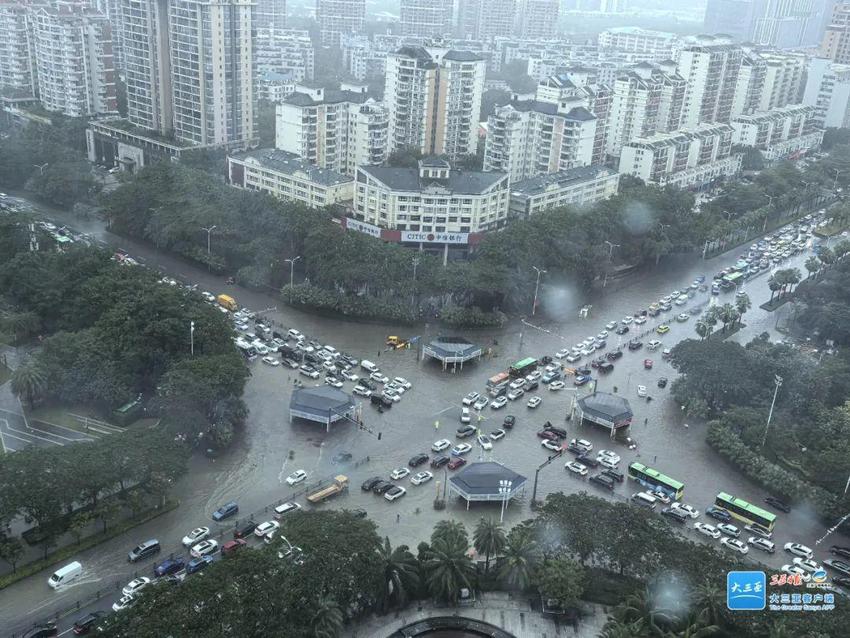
(726, 314)
(742, 304)
(619, 629)
(29, 382)
(710, 599)
(709, 317)
(327, 618)
(702, 330)
(827, 256)
(23, 324)
(640, 606)
(448, 568)
(812, 265)
(401, 573)
(518, 558)
(774, 285)
(793, 277)
(842, 249)
(488, 539)
(448, 530)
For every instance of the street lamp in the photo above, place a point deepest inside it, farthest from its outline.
(778, 381)
(540, 271)
(41, 167)
(209, 233)
(611, 248)
(837, 173)
(415, 262)
(291, 263)
(505, 492)
(192, 338)
(770, 203)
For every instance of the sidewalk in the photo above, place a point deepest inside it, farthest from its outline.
(501, 609)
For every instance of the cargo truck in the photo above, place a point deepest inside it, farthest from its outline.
(226, 301)
(340, 484)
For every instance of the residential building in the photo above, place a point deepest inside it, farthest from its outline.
(288, 177)
(17, 51)
(270, 14)
(749, 86)
(147, 64)
(434, 100)
(333, 129)
(275, 86)
(783, 24)
(426, 18)
(432, 199)
(828, 90)
(338, 18)
(285, 51)
(768, 80)
(74, 62)
(537, 19)
(836, 39)
(486, 19)
(658, 45)
(780, 132)
(731, 17)
(710, 66)
(689, 158)
(574, 187)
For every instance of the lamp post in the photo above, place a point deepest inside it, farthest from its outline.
(41, 167)
(413, 296)
(835, 182)
(540, 271)
(611, 248)
(209, 234)
(291, 263)
(505, 492)
(658, 254)
(778, 381)
(556, 455)
(192, 338)
(770, 203)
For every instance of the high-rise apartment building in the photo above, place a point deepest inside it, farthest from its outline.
(147, 64)
(710, 66)
(339, 17)
(74, 62)
(537, 19)
(17, 54)
(768, 80)
(434, 99)
(782, 23)
(426, 18)
(836, 40)
(285, 51)
(270, 14)
(828, 90)
(657, 45)
(731, 17)
(486, 19)
(780, 132)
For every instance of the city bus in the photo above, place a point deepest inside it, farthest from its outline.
(734, 278)
(653, 479)
(744, 511)
(522, 368)
(496, 384)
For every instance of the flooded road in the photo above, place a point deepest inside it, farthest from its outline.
(253, 473)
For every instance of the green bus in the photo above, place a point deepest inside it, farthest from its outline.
(744, 511)
(522, 368)
(655, 480)
(735, 278)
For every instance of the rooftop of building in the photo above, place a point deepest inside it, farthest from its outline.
(562, 179)
(578, 113)
(330, 96)
(462, 56)
(645, 32)
(682, 135)
(408, 179)
(779, 113)
(290, 164)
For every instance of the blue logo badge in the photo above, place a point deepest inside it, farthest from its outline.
(819, 576)
(746, 591)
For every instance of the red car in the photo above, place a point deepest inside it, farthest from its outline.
(231, 546)
(456, 462)
(647, 363)
(547, 434)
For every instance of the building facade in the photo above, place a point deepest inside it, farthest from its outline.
(486, 19)
(285, 51)
(657, 45)
(147, 64)
(427, 18)
(710, 66)
(828, 90)
(780, 132)
(270, 14)
(836, 39)
(574, 187)
(339, 17)
(17, 51)
(537, 19)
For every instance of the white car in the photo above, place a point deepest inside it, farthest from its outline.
(658, 495)
(582, 444)
(729, 530)
(610, 325)
(481, 403)
(682, 318)
(533, 376)
(208, 296)
(589, 350)
(309, 371)
(333, 382)
(607, 461)
(123, 603)
(296, 477)
(613, 456)
(576, 468)
(204, 548)
(349, 376)
(534, 401)
(465, 416)
(557, 385)
(762, 543)
(378, 377)
(806, 563)
(392, 395)
(460, 449)
(627, 320)
(399, 473)
(136, 585)
(495, 435)
(498, 403)
(421, 477)
(640, 321)
(793, 570)
(653, 345)
(264, 529)
(271, 361)
(573, 357)
(798, 550)
(641, 390)
(485, 442)
(709, 530)
(294, 334)
(517, 384)
(396, 387)
(471, 398)
(555, 446)
(395, 493)
(734, 544)
(442, 444)
(195, 536)
(602, 335)
(563, 352)
(686, 509)
(513, 395)
(359, 390)
(404, 383)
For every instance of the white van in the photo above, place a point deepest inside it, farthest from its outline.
(368, 366)
(282, 510)
(464, 415)
(642, 498)
(65, 575)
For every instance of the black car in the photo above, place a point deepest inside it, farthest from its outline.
(621, 330)
(342, 457)
(84, 625)
(838, 550)
(675, 515)
(777, 504)
(464, 431)
(614, 355)
(245, 530)
(614, 474)
(587, 461)
(439, 461)
(419, 459)
(583, 372)
(378, 399)
(509, 422)
(382, 486)
(603, 481)
(606, 367)
(369, 483)
(635, 344)
(662, 382)
(838, 565)
(358, 513)
(544, 361)
(560, 432)
(844, 581)
(718, 513)
(366, 383)
(42, 631)
(597, 362)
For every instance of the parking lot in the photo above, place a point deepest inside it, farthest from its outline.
(16, 433)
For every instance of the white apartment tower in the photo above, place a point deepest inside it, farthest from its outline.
(537, 19)
(434, 101)
(426, 18)
(828, 90)
(338, 17)
(710, 66)
(270, 14)
(17, 66)
(147, 64)
(74, 62)
(486, 19)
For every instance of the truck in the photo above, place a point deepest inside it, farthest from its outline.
(226, 301)
(340, 484)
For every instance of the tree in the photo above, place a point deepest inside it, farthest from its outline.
(702, 330)
(11, 551)
(29, 383)
(726, 314)
(710, 600)
(448, 568)
(107, 510)
(812, 265)
(560, 579)
(79, 523)
(519, 558)
(401, 575)
(23, 325)
(405, 157)
(742, 304)
(326, 618)
(774, 285)
(488, 539)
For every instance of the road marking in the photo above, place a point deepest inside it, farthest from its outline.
(82, 436)
(64, 427)
(451, 407)
(34, 436)
(18, 437)
(55, 425)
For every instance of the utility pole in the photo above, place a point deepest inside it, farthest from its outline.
(291, 263)
(209, 233)
(835, 182)
(41, 167)
(413, 296)
(192, 338)
(556, 455)
(540, 271)
(770, 203)
(778, 381)
(611, 248)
